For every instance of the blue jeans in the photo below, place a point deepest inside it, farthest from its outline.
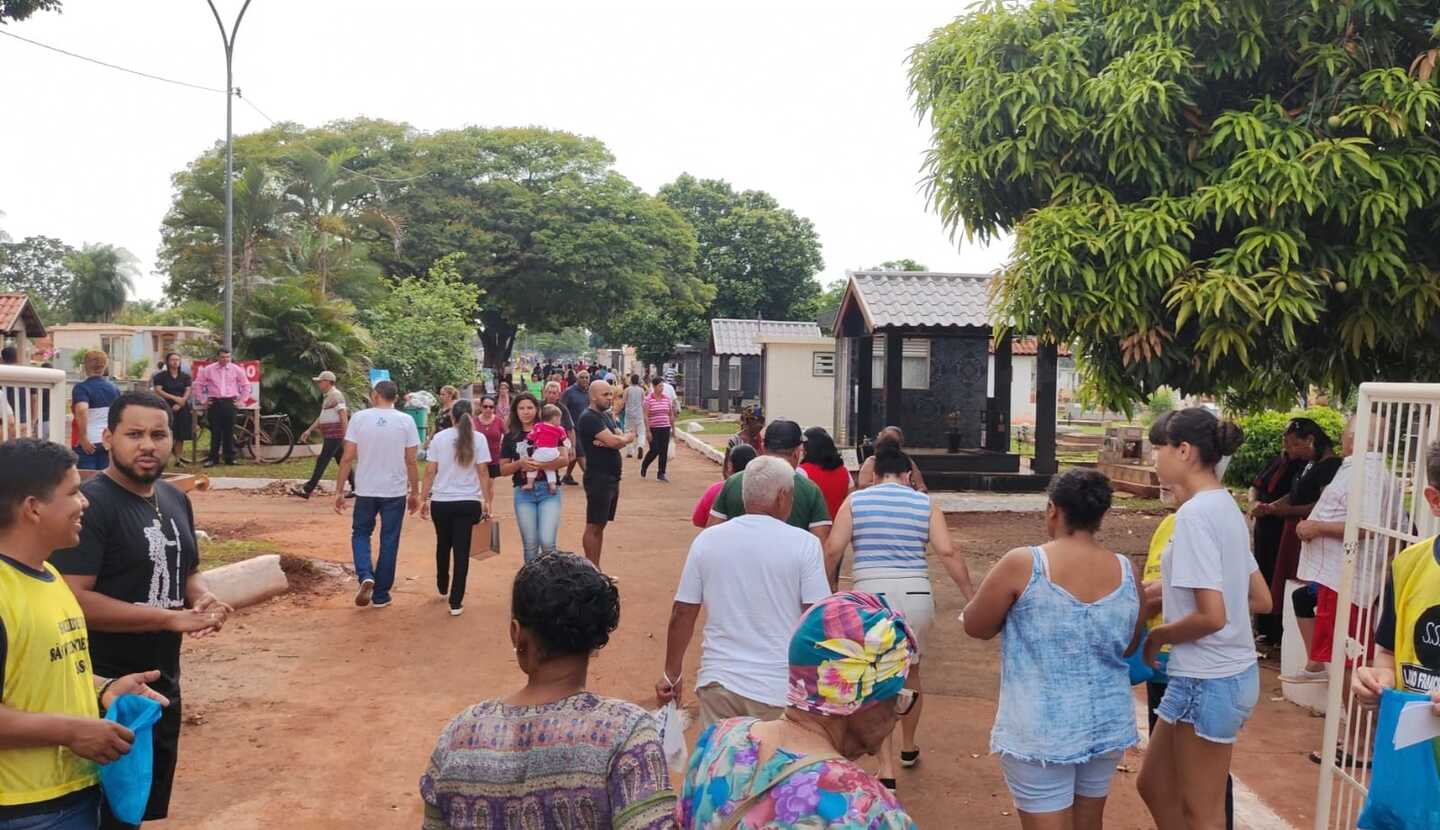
(98, 460)
(82, 815)
(392, 515)
(537, 514)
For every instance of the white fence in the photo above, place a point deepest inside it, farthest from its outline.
(1395, 424)
(32, 404)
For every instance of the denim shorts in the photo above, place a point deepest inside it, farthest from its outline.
(1049, 788)
(1217, 707)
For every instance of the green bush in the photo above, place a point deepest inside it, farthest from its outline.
(1161, 401)
(1263, 434)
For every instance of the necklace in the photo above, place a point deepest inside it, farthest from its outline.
(154, 501)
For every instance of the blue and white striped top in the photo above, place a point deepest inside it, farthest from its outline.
(892, 525)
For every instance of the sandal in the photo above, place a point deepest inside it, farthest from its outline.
(889, 784)
(1343, 760)
(910, 759)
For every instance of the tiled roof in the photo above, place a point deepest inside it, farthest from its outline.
(739, 336)
(1029, 346)
(890, 299)
(12, 306)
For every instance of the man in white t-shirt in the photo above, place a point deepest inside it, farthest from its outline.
(387, 480)
(754, 575)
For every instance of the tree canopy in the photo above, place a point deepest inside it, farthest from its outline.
(761, 259)
(103, 276)
(21, 9)
(1237, 197)
(423, 328)
(36, 266)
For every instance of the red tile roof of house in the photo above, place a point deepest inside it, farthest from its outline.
(1029, 346)
(13, 307)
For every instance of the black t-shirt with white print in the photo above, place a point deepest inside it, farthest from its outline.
(139, 557)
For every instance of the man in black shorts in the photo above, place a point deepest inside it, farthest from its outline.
(603, 441)
(136, 573)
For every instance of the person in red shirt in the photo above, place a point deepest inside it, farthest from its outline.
(826, 468)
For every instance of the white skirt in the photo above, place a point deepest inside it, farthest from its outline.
(907, 592)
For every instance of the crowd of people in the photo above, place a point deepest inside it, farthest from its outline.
(799, 678)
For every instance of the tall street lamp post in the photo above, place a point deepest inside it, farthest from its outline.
(228, 38)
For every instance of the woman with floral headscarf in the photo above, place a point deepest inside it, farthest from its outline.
(848, 663)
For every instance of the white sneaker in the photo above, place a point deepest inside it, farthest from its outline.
(455, 612)
(1306, 676)
(362, 596)
(384, 604)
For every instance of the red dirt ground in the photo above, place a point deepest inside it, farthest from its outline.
(308, 712)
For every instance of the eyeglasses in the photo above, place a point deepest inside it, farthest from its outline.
(905, 701)
(487, 406)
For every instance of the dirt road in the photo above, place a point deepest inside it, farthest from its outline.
(315, 714)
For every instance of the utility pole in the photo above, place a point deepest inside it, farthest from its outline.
(228, 38)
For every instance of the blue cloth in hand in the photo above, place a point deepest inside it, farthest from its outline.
(126, 780)
(1405, 788)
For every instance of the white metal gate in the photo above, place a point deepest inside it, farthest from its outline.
(32, 403)
(1395, 424)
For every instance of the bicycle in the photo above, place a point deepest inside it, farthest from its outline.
(275, 431)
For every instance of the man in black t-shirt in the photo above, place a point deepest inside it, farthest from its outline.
(603, 441)
(136, 572)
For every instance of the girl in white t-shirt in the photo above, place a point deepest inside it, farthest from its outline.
(456, 469)
(1210, 585)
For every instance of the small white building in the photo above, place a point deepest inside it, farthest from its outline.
(1023, 380)
(124, 345)
(797, 379)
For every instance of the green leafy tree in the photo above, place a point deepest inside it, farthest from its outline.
(760, 258)
(654, 331)
(424, 326)
(21, 9)
(553, 345)
(900, 265)
(192, 248)
(36, 266)
(104, 275)
(554, 237)
(296, 333)
(1232, 197)
(1264, 434)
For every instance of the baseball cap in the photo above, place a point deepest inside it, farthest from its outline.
(326, 375)
(783, 435)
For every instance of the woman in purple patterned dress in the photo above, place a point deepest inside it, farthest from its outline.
(552, 756)
(848, 663)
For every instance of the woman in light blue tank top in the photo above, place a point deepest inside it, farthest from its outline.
(1069, 614)
(890, 525)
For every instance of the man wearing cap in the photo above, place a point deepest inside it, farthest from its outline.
(782, 440)
(334, 417)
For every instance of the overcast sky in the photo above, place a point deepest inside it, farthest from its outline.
(807, 100)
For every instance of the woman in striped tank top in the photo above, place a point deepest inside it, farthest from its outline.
(889, 525)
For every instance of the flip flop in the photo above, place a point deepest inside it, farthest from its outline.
(910, 759)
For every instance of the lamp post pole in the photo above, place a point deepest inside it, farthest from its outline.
(228, 38)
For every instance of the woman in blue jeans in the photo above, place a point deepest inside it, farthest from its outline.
(1070, 613)
(537, 510)
(1210, 584)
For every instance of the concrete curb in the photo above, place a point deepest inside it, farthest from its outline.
(701, 447)
(242, 584)
(238, 483)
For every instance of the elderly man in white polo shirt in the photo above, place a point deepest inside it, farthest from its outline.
(754, 575)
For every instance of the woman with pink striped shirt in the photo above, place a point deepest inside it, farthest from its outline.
(659, 418)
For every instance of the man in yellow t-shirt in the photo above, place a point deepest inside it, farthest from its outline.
(51, 737)
(1408, 637)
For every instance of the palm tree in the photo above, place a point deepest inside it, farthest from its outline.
(297, 333)
(104, 277)
(330, 201)
(260, 212)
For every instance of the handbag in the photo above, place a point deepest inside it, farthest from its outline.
(485, 539)
(755, 798)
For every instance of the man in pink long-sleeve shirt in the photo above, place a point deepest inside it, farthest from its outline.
(218, 386)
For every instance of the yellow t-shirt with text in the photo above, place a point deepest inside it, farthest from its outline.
(46, 666)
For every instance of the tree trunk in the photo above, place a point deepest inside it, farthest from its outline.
(498, 338)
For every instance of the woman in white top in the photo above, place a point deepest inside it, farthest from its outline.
(1210, 585)
(455, 473)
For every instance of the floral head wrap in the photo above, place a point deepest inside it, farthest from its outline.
(849, 650)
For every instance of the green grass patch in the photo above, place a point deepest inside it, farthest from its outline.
(215, 552)
(294, 468)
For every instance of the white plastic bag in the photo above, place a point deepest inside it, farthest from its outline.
(671, 721)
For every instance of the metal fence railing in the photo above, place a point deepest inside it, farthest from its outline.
(1395, 423)
(32, 403)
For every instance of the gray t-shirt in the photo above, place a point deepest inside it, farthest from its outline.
(635, 406)
(1210, 550)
